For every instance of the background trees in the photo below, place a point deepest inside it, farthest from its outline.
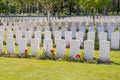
(61, 7)
(3, 7)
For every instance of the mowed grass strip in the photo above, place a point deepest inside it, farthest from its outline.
(33, 69)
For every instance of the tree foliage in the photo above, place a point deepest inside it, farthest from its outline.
(94, 4)
(59, 6)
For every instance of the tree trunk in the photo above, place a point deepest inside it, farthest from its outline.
(77, 10)
(26, 9)
(93, 15)
(118, 6)
(70, 8)
(93, 19)
(48, 17)
(113, 8)
(107, 10)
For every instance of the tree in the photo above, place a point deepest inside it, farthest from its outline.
(3, 7)
(49, 5)
(93, 5)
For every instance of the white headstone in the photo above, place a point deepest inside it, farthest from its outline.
(68, 37)
(118, 28)
(47, 35)
(10, 46)
(113, 24)
(46, 28)
(105, 25)
(73, 29)
(82, 29)
(62, 23)
(57, 36)
(22, 45)
(48, 45)
(110, 30)
(76, 24)
(31, 27)
(79, 36)
(60, 48)
(115, 40)
(2, 34)
(38, 36)
(56, 24)
(35, 46)
(10, 33)
(100, 29)
(28, 36)
(18, 35)
(104, 50)
(98, 24)
(38, 28)
(91, 29)
(55, 28)
(16, 29)
(2, 27)
(91, 36)
(89, 49)
(102, 36)
(91, 24)
(83, 24)
(74, 48)
(24, 32)
(1, 45)
(64, 29)
(9, 27)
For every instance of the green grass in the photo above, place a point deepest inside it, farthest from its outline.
(33, 69)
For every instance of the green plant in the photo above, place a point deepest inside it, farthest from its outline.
(43, 55)
(66, 58)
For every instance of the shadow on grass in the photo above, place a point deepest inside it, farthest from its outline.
(16, 56)
(115, 63)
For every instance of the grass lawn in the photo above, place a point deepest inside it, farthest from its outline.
(33, 69)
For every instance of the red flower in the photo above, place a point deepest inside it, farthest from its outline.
(77, 56)
(52, 51)
(68, 46)
(26, 51)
